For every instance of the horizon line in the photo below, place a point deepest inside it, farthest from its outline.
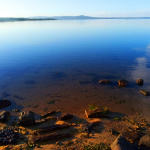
(78, 16)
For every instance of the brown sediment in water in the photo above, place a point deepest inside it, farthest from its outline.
(75, 100)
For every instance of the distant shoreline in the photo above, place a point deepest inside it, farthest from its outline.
(14, 19)
(24, 19)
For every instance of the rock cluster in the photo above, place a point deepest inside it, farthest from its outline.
(8, 136)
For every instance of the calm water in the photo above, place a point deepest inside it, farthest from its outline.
(64, 60)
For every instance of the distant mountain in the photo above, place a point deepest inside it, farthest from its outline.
(68, 17)
(74, 17)
(86, 17)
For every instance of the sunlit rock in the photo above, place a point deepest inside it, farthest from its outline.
(145, 141)
(104, 81)
(145, 93)
(140, 82)
(97, 113)
(122, 83)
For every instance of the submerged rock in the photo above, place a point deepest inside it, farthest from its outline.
(8, 136)
(26, 119)
(122, 144)
(4, 103)
(145, 93)
(97, 113)
(140, 82)
(104, 81)
(4, 116)
(122, 83)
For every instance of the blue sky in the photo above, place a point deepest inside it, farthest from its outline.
(97, 8)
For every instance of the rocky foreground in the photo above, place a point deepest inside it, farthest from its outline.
(99, 130)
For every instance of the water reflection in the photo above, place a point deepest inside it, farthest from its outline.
(142, 69)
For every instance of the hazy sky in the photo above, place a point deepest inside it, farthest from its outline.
(101, 8)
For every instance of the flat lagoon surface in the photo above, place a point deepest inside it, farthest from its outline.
(56, 65)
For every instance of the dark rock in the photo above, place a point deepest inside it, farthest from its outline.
(49, 114)
(87, 128)
(145, 141)
(66, 117)
(132, 135)
(26, 119)
(104, 81)
(4, 116)
(59, 143)
(48, 137)
(8, 136)
(97, 113)
(122, 83)
(52, 128)
(114, 132)
(122, 144)
(145, 93)
(45, 120)
(38, 146)
(4, 103)
(140, 82)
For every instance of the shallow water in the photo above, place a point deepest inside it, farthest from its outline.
(57, 64)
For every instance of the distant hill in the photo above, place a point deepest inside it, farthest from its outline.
(7, 19)
(81, 17)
